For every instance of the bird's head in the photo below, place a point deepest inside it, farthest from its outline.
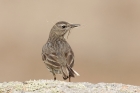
(62, 27)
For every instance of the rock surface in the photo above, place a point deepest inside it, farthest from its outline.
(51, 86)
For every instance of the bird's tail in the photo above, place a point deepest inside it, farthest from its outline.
(68, 72)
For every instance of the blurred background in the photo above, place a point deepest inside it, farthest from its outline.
(106, 45)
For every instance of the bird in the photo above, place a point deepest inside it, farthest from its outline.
(57, 53)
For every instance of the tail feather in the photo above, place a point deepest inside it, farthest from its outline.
(68, 72)
(71, 72)
(75, 72)
(65, 72)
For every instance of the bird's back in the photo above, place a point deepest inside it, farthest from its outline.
(58, 52)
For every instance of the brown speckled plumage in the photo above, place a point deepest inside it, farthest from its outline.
(57, 53)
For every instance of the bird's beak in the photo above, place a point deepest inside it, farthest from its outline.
(74, 25)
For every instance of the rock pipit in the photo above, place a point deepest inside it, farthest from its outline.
(57, 53)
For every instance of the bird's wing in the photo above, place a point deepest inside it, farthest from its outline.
(49, 56)
(70, 62)
(70, 57)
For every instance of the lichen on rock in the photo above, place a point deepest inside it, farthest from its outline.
(51, 86)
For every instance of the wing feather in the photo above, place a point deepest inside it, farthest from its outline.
(49, 56)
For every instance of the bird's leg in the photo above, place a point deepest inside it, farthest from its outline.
(69, 79)
(54, 76)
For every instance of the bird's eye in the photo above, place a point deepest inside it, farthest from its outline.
(63, 26)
